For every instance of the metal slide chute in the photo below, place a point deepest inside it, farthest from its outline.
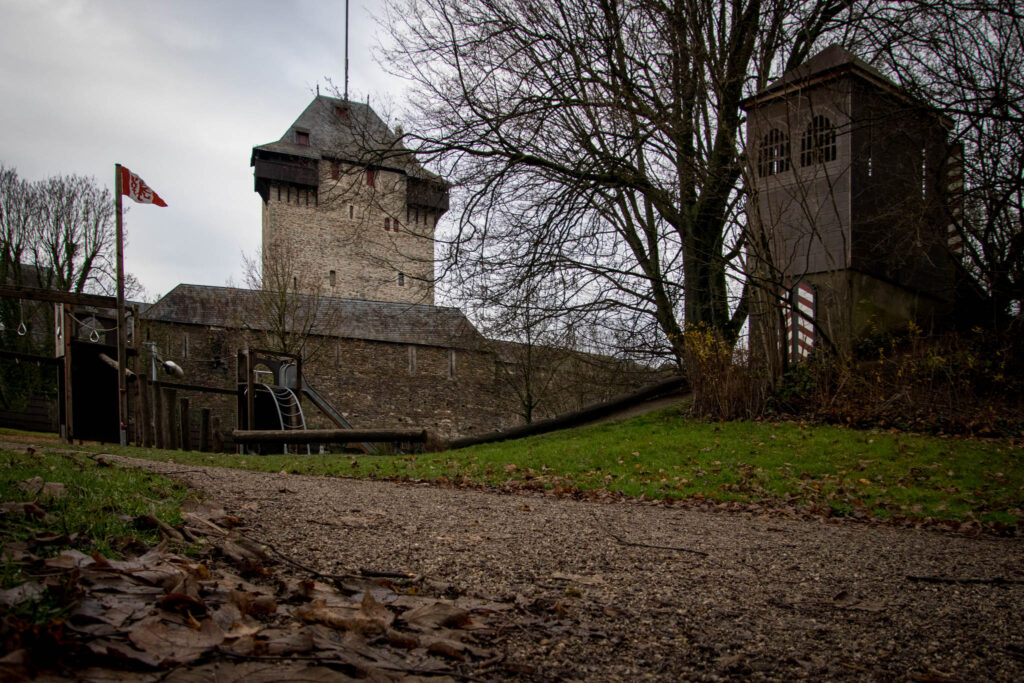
(277, 407)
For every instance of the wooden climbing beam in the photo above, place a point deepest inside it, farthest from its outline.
(304, 436)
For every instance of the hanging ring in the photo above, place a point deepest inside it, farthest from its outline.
(94, 336)
(22, 330)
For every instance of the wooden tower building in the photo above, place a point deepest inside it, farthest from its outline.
(853, 192)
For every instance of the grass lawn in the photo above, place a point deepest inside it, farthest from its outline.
(95, 512)
(665, 454)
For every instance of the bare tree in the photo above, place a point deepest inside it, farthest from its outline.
(18, 225)
(74, 249)
(599, 140)
(284, 306)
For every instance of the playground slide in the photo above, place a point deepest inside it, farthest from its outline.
(324, 405)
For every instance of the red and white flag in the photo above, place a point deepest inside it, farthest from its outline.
(133, 186)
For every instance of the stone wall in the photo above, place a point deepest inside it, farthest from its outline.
(356, 237)
(375, 385)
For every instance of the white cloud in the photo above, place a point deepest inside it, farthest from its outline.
(179, 92)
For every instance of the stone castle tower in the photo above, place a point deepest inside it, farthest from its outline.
(347, 211)
(854, 191)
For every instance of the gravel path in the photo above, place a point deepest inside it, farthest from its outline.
(773, 598)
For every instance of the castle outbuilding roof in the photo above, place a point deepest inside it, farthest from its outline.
(342, 130)
(831, 63)
(382, 321)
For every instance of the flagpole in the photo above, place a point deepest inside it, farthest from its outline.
(122, 337)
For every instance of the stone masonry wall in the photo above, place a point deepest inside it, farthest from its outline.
(353, 239)
(374, 385)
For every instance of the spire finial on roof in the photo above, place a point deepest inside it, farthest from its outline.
(346, 50)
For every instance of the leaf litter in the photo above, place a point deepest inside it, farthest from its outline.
(232, 616)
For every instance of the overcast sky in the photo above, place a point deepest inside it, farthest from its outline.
(179, 91)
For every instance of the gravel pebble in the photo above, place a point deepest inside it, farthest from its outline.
(773, 599)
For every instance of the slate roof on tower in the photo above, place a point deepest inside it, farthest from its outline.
(830, 64)
(342, 130)
(382, 321)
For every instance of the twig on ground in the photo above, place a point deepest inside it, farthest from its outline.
(184, 472)
(362, 574)
(656, 547)
(335, 660)
(995, 581)
(374, 574)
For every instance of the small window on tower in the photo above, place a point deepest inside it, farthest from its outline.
(333, 277)
(302, 138)
(387, 223)
(773, 153)
(351, 210)
(335, 170)
(818, 142)
(341, 111)
(371, 177)
(401, 279)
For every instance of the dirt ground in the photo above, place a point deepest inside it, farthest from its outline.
(635, 591)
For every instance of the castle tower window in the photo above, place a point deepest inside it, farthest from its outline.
(394, 225)
(333, 277)
(351, 210)
(302, 138)
(773, 154)
(451, 363)
(401, 279)
(412, 360)
(371, 177)
(335, 170)
(818, 143)
(387, 224)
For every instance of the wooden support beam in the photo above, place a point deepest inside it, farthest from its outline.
(250, 436)
(185, 440)
(145, 426)
(159, 431)
(204, 429)
(181, 386)
(591, 412)
(39, 294)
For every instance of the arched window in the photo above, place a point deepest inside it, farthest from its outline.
(773, 155)
(818, 143)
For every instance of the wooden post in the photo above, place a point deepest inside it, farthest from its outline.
(250, 395)
(185, 442)
(122, 379)
(158, 416)
(218, 439)
(204, 430)
(69, 404)
(171, 411)
(137, 403)
(145, 427)
(250, 381)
